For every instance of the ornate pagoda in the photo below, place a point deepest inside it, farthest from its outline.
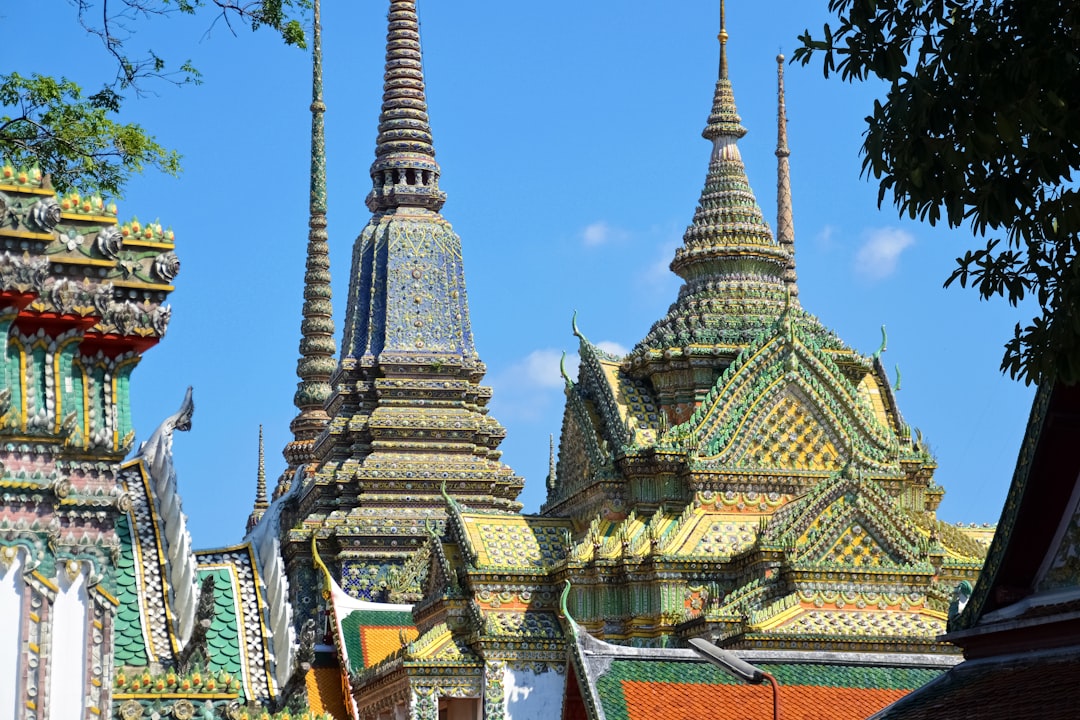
(407, 413)
(742, 475)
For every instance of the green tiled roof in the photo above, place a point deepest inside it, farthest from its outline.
(223, 638)
(848, 676)
(129, 647)
(353, 623)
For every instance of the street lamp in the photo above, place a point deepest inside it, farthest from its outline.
(741, 669)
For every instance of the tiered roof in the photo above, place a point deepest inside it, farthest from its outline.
(744, 461)
(168, 630)
(489, 610)
(166, 590)
(82, 296)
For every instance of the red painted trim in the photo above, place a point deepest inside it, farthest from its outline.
(19, 300)
(113, 345)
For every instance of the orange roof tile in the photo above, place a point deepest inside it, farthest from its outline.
(326, 692)
(685, 701)
(380, 642)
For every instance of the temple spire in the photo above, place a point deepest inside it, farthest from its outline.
(732, 268)
(728, 227)
(317, 347)
(261, 503)
(785, 224)
(404, 173)
(409, 415)
(724, 118)
(723, 37)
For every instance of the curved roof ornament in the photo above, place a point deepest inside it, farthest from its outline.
(574, 325)
(450, 502)
(884, 344)
(564, 611)
(156, 456)
(265, 540)
(316, 559)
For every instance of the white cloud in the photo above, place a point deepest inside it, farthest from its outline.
(880, 252)
(531, 386)
(599, 233)
(540, 368)
(658, 275)
(825, 238)
(612, 347)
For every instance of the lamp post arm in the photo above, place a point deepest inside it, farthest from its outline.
(775, 694)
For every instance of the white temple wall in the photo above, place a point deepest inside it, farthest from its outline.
(67, 675)
(12, 593)
(532, 695)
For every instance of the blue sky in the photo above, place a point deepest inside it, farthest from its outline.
(569, 138)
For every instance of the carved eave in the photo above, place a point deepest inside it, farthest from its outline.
(108, 278)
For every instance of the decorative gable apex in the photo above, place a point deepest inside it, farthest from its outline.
(847, 520)
(785, 402)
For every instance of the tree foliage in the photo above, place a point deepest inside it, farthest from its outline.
(980, 126)
(73, 138)
(76, 138)
(115, 23)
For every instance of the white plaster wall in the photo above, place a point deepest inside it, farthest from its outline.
(67, 656)
(11, 596)
(534, 696)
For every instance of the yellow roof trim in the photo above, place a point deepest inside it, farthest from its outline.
(46, 581)
(150, 244)
(135, 285)
(780, 618)
(94, 262)
(30, 190)
(105, 594)
(27, 235)
(175, 696)
(88, 218)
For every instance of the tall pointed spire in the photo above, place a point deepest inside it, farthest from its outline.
(261, 503)
(408, 413)
(785, 224)
(317, 347)
(404, 172)
(724, 119)
(728, 246)
(731, 265)
(729, 227)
